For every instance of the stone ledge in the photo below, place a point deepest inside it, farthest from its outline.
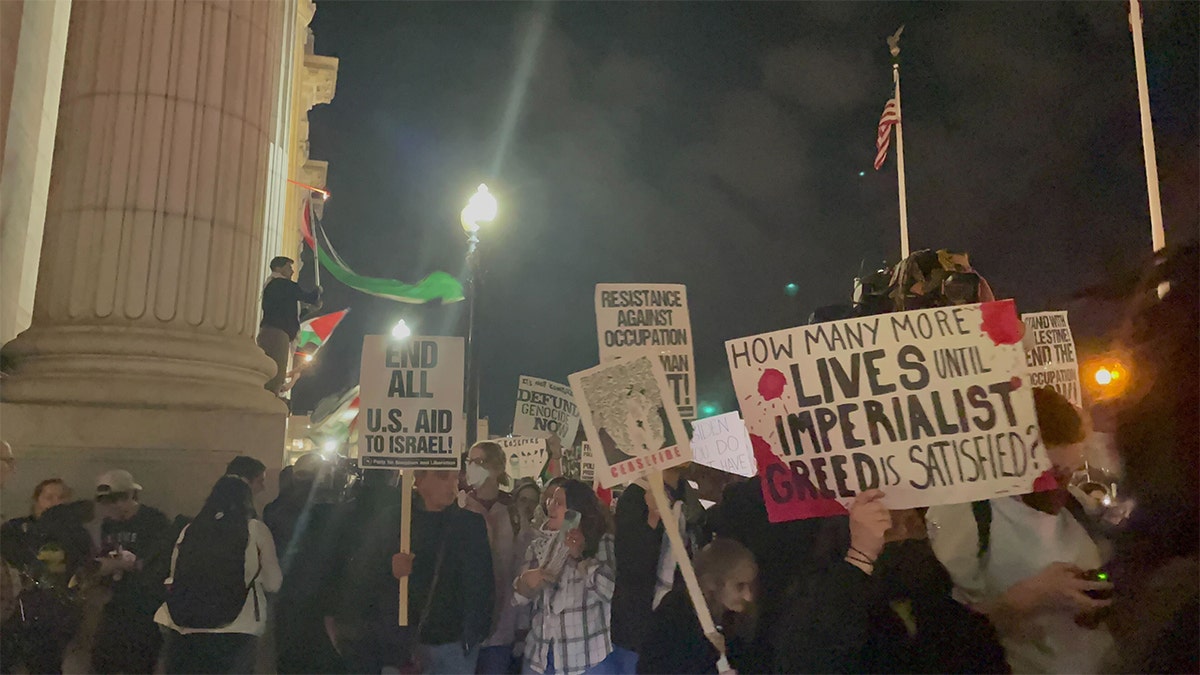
(176, 455)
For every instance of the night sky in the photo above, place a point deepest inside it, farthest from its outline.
(720, 145)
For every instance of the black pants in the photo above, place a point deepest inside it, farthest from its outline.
(126, 643)
(210, 653)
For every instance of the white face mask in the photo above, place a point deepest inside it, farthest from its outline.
(476, 475)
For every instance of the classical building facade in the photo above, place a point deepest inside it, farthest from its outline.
(151, 145)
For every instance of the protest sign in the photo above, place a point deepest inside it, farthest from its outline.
(411, 398)
(587, 464)
(931, 406)
(722, 443)
(629, 418)
(524, 456)
(543, 408)
(636, 319)
(1050, 354)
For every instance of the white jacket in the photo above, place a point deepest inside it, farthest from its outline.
(260, 550)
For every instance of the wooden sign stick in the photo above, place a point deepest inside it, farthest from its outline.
(671, 524)
(406, 507)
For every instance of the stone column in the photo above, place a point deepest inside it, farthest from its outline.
(141, 353)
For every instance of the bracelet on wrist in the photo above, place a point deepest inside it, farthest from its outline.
(869, 559)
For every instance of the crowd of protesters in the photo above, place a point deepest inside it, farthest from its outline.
(544, 576)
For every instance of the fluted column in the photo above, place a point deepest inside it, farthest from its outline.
(146, 293)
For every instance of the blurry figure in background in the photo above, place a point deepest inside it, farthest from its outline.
(135, 554)
(284, 514)
(885, 607)
(524, 507)
(677, 644)
(250, 471)
(10, 578)
(930, 278)
(549, 510)
(1022, 560)
(223, 566)
(485, 472)
(281, 300)
(38, 635)
(571, 609)
(360, 600)
(646, 566)
(1156, 608)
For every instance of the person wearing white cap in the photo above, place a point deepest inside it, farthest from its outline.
(135, 553)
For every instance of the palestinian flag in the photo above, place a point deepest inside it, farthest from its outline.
(436, 286)
(315, 331)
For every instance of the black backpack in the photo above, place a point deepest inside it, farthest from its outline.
(208, 588)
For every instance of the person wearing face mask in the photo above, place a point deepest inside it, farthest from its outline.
(676, 643)
(885, 607)
(484, 474)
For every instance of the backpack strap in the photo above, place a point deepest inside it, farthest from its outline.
(437, 573)
(982, 510)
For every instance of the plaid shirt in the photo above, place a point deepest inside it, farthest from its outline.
(571, 615)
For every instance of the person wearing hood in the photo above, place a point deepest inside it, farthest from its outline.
(485, 472)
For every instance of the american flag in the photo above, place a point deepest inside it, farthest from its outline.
(883, 138)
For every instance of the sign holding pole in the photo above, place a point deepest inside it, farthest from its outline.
(411, 397)
(636, 432)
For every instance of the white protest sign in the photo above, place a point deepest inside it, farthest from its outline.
(636, 319)
(587, 464)
(630, 420)
(1050, 354)
(524, 457)
(411, 398)
(932, 406)
(722, 443)
(544, 408)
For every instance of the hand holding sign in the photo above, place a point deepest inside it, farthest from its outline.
(869, 522)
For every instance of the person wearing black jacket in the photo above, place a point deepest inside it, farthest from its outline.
(676, 643)
(136, 543)
(639, 550)
(450, 591)
(884, 608)
(281, 316)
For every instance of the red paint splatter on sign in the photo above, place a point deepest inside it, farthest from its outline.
(781, 490)
(1045, 482)
(770, 385)
(1001, 323)
(1015, 382)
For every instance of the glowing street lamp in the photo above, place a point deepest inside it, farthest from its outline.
(401, 330)
(481, 208)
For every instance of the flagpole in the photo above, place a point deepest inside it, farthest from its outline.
(894, 46)
(312, 225)
(1157, 237)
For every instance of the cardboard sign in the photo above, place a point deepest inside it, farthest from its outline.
(411, 402)
(722, 443)
(587, 464)
(931, 406)
(637, 319)
(630, 419)
(1050, 354)
(545, 408)
(525, 456)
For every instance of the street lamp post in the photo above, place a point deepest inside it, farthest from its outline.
(481, 208)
